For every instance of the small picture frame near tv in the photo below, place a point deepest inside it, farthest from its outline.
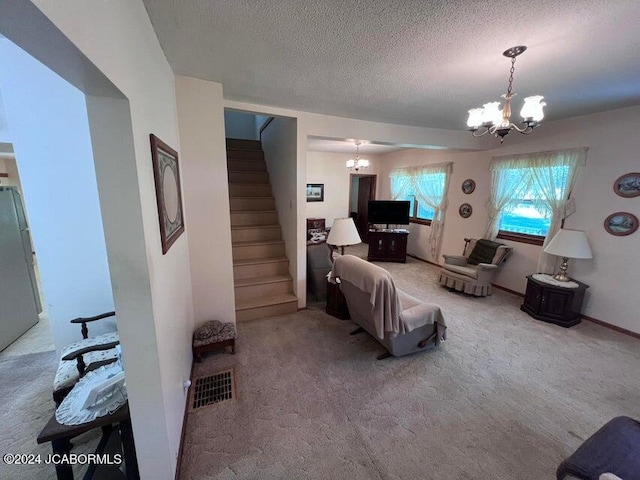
(389, 212)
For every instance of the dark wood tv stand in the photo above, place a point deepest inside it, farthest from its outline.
(388, 245)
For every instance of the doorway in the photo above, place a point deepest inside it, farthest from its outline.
(362, 188)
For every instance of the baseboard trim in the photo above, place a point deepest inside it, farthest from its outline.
(184, 427)
(513, 292)
(423, 260)
(612, 327)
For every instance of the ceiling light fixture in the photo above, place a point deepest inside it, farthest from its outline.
(490, 119)
(357, 163)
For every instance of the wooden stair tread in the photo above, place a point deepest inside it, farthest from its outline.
(256, 261)
(241, 227)
(250, 243)
(257, 211)
(265, 301)
(246, 282)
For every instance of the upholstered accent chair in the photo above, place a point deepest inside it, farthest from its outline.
(474, 270)
(83, 356)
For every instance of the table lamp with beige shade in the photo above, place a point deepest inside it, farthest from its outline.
(568, 244)
(343, 233)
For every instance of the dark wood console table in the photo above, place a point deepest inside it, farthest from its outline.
(553, 304)
(388, 246)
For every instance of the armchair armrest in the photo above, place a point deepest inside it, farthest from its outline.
(455, 259)
(77, 354)
(487, 266)
(85, 320)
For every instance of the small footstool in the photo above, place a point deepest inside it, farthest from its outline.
(615, 448)
(213, 335)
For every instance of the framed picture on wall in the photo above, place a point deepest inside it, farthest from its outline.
(628, 185)
(168, 194)
(621, 224)
(315, 192)
(468, 186)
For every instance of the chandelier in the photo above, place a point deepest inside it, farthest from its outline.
(357, 163)
(491, 119)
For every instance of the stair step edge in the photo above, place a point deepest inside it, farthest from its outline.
(248, 282)
(265, 301)
(258, 261)
(251, 243)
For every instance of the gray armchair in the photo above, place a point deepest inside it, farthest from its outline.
(474, 270)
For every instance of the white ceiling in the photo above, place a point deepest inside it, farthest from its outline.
(413, 62)
(349, 146)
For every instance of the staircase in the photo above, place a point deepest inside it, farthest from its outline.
(263, 286)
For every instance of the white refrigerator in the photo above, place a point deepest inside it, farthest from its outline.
(19, 298)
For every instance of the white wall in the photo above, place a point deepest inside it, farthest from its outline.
(240, 125)
(280, 151)
(103, 44)
(50, 133)
(206, 198)
(613, 146)
(329, 169)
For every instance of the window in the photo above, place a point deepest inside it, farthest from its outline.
(426, 188)
(420, 212)
(528, 191)
(529, 213)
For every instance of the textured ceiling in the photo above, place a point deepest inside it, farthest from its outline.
(413, 62)
(315, 144)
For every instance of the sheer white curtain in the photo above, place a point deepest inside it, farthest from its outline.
(430, 183)
(554, 175)
(401, 183)
(510, 180)
(544, 177)
(431, 187)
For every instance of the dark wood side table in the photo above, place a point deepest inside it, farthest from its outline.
(553, 304)
(61, 435)
(387, 246)
(336, 303)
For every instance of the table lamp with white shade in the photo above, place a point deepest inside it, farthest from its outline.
(568, 244)
(343, 233)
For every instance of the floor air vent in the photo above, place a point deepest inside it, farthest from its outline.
(212, 389)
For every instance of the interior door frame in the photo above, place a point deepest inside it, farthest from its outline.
(372, 196)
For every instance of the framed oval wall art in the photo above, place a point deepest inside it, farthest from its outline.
(621, 224)
(465, 210)
(468, 186)
(628, 185)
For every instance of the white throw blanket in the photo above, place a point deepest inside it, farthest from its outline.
(389, 314)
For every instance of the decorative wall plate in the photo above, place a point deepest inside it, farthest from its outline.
(621, 224)
(168, 194)
(628, 185)
(465, 210)
(468, 186)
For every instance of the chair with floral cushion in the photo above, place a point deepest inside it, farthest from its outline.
(83, 356)
(474, 270)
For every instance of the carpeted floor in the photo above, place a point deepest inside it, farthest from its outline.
(505, 397)
(25, 396)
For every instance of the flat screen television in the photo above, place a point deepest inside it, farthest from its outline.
(389, 212)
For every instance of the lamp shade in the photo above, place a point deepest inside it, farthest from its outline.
(343, 233)
(570, 244)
